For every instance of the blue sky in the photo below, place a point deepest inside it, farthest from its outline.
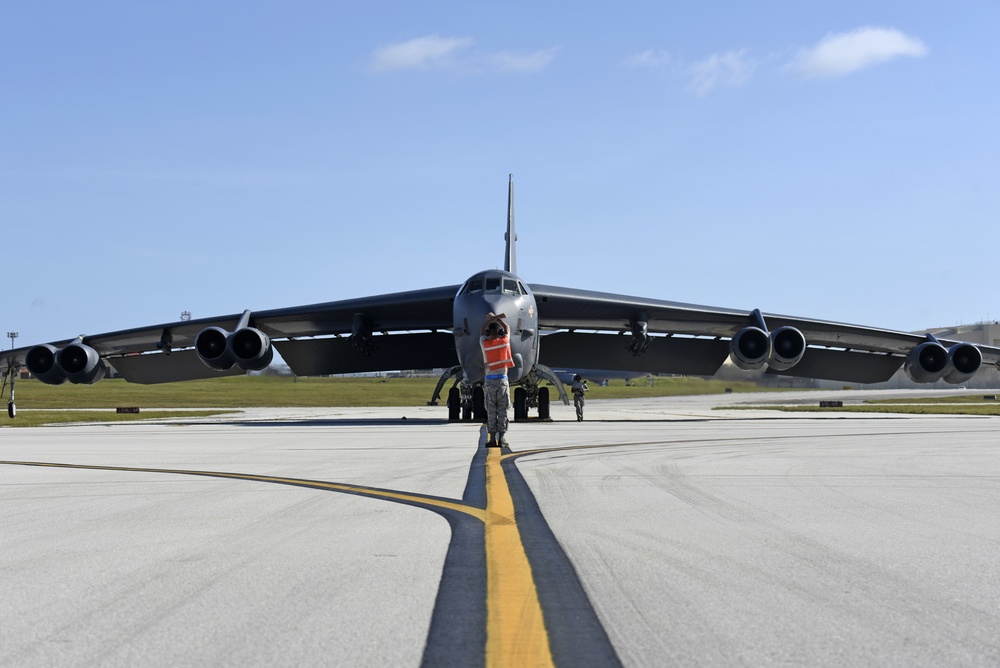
(829, 160)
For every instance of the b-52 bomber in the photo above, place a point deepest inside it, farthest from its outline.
(440, 328)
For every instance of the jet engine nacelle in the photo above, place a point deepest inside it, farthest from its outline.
(750, 348)
(788, 345)
(927, 363)
(41, 362)
(248, 348)
(964, 360)
(251, 348)
(77, 363)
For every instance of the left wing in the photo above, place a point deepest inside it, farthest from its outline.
(700, 338)
(368, 346)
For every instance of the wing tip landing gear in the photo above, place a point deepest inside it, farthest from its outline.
(9, 377)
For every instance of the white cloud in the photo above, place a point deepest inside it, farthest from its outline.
(650, 58)
(731, 68)
(452, 52)
(514, 62)
(843, 53)
(419, 53)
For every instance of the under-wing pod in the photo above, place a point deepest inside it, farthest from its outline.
(750, 348)
(212, 345)
(81, 364)
(964, 360)
(41, 362)
(250, 348)
(788, 345)
(77, 363)
(927, 363)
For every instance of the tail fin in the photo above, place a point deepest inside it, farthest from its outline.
(510, 261)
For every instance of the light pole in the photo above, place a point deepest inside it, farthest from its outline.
(12, 336)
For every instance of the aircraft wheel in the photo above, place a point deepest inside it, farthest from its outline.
(11, 410)
(543, 403)
(520, 401)
(467, 412)
(454, 405)
(479, 404)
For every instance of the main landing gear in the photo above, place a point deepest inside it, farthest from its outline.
(466, 405)
(466, 401)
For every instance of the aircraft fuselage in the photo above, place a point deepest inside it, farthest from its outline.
(503, 293)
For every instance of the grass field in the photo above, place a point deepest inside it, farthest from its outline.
(37, 418)
(281, 391)
(92, 402)
(35, 400)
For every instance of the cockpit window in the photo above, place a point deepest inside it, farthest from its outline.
(478, 284)
(472, 286)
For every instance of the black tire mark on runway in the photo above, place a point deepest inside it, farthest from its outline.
(457, 634)
(576, 635)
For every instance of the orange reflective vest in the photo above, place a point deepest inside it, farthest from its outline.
(498, 357)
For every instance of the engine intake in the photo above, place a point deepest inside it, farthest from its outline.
(77, 363)
(964, 360)
(788, 345)
(927, 363)
(251, 348)
(81, 364)
(41, 362)
(750, 348)
(213, 350)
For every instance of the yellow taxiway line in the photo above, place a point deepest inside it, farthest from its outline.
(515, 628)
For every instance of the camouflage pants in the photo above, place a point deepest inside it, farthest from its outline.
(578, 403)
(497, 395)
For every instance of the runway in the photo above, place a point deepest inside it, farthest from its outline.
(656, 532)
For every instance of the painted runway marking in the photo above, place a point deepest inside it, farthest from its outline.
(499, 617)
(431, 502)
(516, 633)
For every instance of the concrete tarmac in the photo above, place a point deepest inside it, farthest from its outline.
(656, 532)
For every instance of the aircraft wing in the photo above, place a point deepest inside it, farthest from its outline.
(407, 314)
(694, 343)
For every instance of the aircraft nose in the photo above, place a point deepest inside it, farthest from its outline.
(501, 305)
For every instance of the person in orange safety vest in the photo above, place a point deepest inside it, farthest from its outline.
(495, 339)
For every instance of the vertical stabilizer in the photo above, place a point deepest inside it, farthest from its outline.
(510, 260)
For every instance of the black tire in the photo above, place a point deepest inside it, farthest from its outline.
(478, 405)
(520, 404)
(543, 403)
(11, 410)
(454, 405)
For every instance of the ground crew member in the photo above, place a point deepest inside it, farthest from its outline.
(579, 386)
(495, 339)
